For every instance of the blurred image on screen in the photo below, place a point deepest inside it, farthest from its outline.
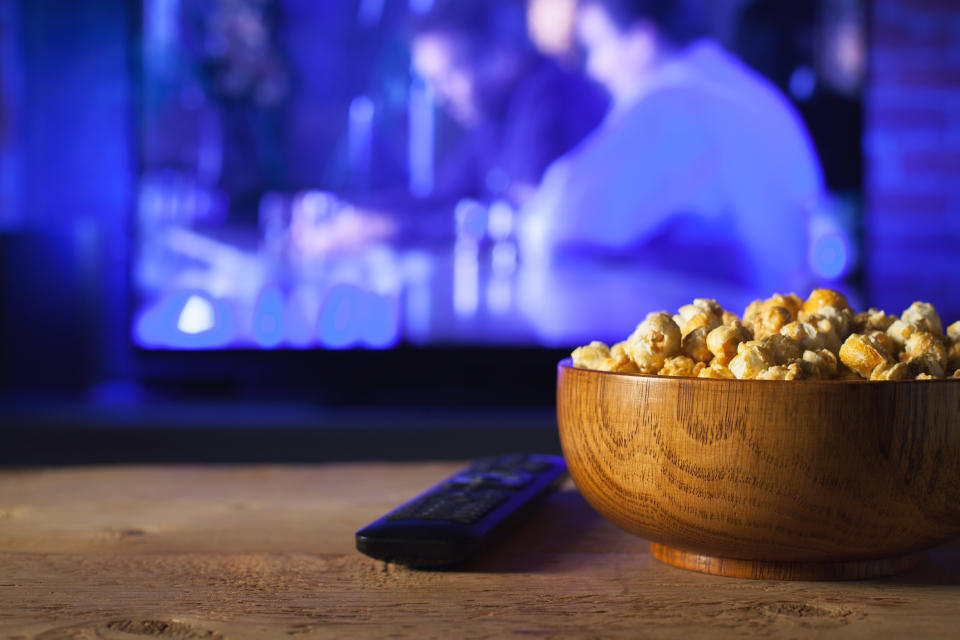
(369, 173)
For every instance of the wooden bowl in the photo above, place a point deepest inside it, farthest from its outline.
(765, 479)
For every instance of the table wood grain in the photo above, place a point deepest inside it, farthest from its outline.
(267, 551)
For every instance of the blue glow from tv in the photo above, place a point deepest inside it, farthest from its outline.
(380, 326)
(831, 256)
(268, 317)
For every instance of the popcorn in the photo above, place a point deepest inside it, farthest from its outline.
(780, 349)
(681, 366)
(871, 320)
(820, 298)
(752, 313)
(716, 371)
(899, 332)
(694, 345)
(829, 328)
(953, 332)
(887, 371)
(821, 363)
(953, 356)
(590, 356)
(925, 353)
(702, 313)
(791, 302)
(922, 344)
(885, 340)
(750, 361)
(785, 338)
(953, 352)
(598, 356)
(722, 342)
(624, 364)
(654, 340)
(928, 365)
(805, 334)
(730, 319)
(863, 353)
(772, 318)
(924, 317)
(792, 371)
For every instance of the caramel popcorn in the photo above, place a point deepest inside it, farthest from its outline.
(888, 371)
(723, 341)
(590, 356)
(829, 319)
(830, 329)
(791, 302)
(654, 340)
(694, 345)
(702, 313)
(752, 313)
(681, 366)
(899, 332)
(953, 353)
(597, 355)
(871, 320)
(780, 349)
(863, 353)
(953, 356)
(750, 360)
(924, 317)
(953, 332)
(772, 318)
(730, 319)
(805, 334)
(922, 344)
(821, 363)
(792, 371)
(885, 340)
(716, 371)
(820, 298)
(623, 362)
(785, 338)
(927, 364)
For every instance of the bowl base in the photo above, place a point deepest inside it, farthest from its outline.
(768, 570)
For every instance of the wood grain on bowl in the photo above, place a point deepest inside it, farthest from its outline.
(810, 479)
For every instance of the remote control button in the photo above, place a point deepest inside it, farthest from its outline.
(493, 479)
(464, 507)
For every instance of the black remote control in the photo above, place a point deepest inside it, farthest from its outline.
(465, 513)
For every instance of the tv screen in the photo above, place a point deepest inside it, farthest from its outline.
(365, 174)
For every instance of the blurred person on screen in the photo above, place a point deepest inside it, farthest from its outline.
(516, 111)
(701, 167)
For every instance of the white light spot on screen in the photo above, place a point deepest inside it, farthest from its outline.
(196, 316)
(466, 272)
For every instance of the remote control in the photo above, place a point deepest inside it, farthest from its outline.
(465, 513)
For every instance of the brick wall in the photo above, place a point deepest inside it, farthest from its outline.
(912, 147)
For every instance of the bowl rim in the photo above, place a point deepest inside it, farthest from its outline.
(567, 363)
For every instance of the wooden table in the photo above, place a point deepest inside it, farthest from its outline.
(252, 552)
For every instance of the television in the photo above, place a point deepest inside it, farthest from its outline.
(264, 126)
(255, 129)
